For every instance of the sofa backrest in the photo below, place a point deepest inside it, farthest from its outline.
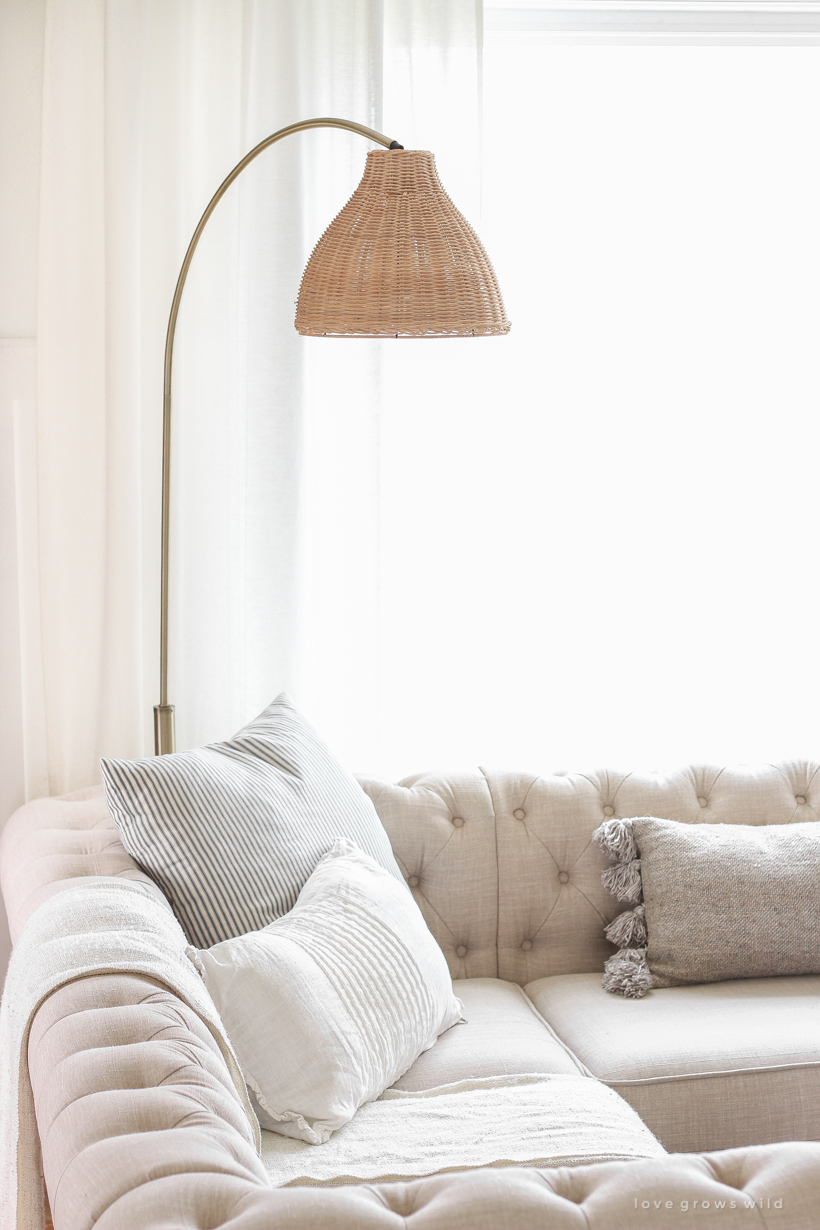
(504, 869)
(501, 864)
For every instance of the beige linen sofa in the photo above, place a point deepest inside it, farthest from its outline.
(140, 1125)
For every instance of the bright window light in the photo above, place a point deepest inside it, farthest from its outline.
(599, 536)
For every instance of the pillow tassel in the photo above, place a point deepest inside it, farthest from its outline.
(615, 838)
(627, 973)
(628, 930)
(623, 880)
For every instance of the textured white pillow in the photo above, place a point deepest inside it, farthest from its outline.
(331, 1004)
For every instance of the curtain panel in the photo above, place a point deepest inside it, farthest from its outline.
(146, 104)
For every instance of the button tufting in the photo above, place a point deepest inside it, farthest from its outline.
(519, 813)
(461, 951)
(413, 881)
(799, 798)
(563, 876)
(609, 811)
(526, 945)
(703, 802)
(458, 822)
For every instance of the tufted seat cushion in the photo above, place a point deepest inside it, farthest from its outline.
(502, 1035)
(707, 1066)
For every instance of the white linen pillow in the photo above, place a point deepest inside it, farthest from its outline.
(331, 1004)
(230, 832)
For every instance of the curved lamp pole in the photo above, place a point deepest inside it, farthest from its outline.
(398, 261)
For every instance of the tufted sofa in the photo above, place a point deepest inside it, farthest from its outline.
(141, 1126)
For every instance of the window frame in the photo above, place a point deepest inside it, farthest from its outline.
(732, 22)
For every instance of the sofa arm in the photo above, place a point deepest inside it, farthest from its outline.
(142, 1128)
(51, 844)
(129, 1086)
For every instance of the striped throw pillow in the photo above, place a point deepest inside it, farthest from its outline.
(231, 832)
(329, 1006)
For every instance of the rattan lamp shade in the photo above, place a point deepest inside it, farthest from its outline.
(400, 261)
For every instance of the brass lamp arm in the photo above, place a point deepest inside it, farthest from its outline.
(163, 712)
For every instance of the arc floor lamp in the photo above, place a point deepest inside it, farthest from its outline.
(398, 261)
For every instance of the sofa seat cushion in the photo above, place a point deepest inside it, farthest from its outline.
(503, 1035)
(706, 1067)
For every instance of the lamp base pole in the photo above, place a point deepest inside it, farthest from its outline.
(163, 729)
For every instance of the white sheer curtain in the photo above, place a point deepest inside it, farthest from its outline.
(278, 551)
(146, 104)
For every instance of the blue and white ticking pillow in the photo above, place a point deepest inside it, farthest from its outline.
(231, 832)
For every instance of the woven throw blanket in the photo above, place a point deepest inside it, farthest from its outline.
(108, 927)
(528, 1120)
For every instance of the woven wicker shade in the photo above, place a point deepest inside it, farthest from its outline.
(400, 261)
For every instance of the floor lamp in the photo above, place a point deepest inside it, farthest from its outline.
(398, 261)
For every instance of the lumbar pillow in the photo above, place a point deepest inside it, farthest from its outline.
(331, 1004)
(710, 902)
(230, 832)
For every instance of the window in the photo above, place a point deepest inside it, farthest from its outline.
(600, 535)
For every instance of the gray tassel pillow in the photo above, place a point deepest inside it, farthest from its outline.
(710, 902)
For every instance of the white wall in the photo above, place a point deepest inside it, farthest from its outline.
(21, 70)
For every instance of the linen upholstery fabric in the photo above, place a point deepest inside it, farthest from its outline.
(129, 1068)
(103, 1172)
(50, 844)
(706, 1066)
(230, 832)
(515, 890)
(489, 886)
(331, 1004)
(502, 1034)
(96, 926)
(729, 900)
